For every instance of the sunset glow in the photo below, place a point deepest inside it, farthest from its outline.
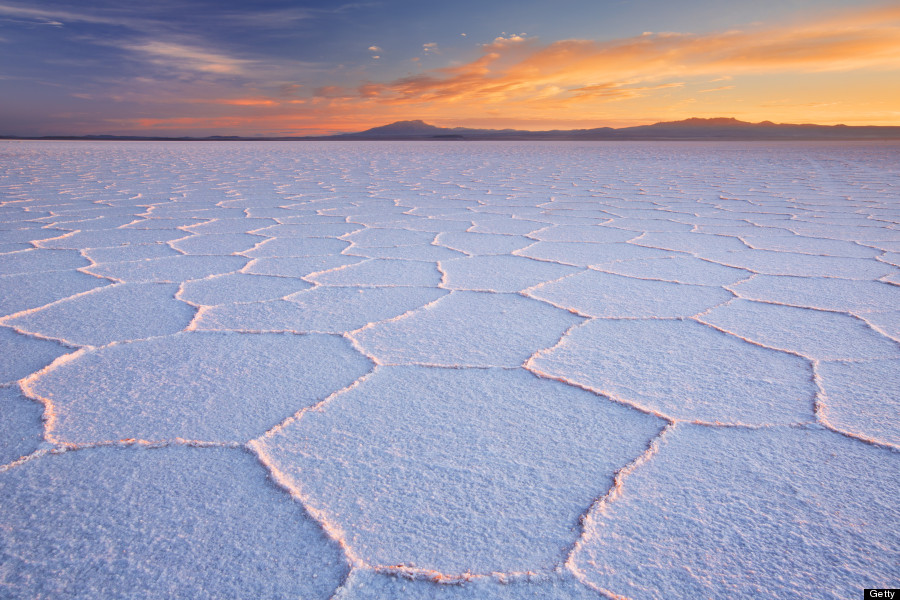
(279, 68)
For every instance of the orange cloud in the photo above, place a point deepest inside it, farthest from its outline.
(618, 91)
(244, 102)
(518, 69)
(179, 122)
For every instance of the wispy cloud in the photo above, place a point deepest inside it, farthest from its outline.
(507, 38)
(289, 89)
(144, 37)
(59, 17)
(128, 16)
(33, 21)
(188, 58)
(240, 101)
(619, 90)
(333, 91)
(269, 19)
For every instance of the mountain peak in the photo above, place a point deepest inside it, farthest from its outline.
(416, 127)
(700, 122)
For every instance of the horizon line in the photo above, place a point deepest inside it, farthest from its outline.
(695, 123)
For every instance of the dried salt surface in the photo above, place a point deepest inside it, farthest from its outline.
(217, 243)
(643, 362)
(175, 522)
(816, 334)
(692, 243)
(603, 295)
(109, 238)
(792, 348)
(473, 329)
(583, 255)
(14, 247)
(25, 236)
(165, 223)
(435, 226)
(197, 386)
(288, 247)
(893, 278)
(37, 260)
(368, 585)
(33, 290)
(863, 398)
(422, 252)
(23, 354)
(374, 237)
(808, 245)
(500, 273)
(482, 243)
(582, 234)
(677, 269)
(106, 315)
(172, 269)
(90, 222)
(770, 262)
(301, 266)
(773, 512)
(303, 230)
(821, 292)
(230, 226)
(386, 272)
(323, 309)
(131, 252)
(887, 323)
(510, 226)
(495, 466)
(239, 287)
(20, 428)
(651, 224)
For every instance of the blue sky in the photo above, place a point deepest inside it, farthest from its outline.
(275, 67)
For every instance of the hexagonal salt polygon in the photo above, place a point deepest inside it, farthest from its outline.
(458, 470)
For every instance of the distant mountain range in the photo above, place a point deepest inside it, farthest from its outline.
(723, 129)
(689, 129)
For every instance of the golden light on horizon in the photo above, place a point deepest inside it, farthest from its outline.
(839, 67)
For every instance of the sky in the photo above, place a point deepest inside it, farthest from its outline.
(274, 67)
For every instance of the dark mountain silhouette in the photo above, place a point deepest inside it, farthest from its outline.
(722, 128)
(404, 128)
(733, 129)
(693, 129)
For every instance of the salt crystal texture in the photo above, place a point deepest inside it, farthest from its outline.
(774, 511)
(107, 314)
(498, 370)
(166, 522)
(23, 354)
(20, 427)
(459, 470)
(198, 386)
(468, 329)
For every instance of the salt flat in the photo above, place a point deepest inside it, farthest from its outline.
(449, 370)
